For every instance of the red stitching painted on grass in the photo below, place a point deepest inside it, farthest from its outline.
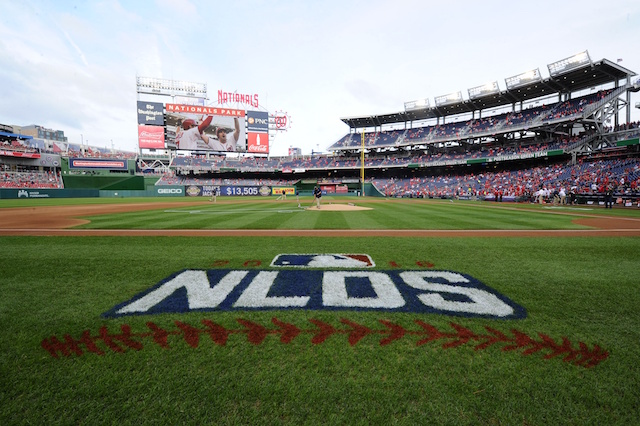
(256, 334)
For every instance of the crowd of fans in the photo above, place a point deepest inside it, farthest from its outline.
(590, 175)
(16, 145)
(585, 177)
(192, 180)
(66, 150)
(468, 152)
(31, 179)
(77, 151)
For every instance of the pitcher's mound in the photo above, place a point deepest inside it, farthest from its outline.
(338, 208)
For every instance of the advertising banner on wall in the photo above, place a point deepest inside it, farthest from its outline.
(258, 132)
(225, 190)
(89, 163)
(151, 137)
(19, 154)
(279, 190)
(150, 113)
(328, 189)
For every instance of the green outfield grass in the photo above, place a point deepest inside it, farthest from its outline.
(580, 293)
(258, 213)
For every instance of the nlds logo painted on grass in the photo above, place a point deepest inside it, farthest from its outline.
(351, 287)
(337, 282)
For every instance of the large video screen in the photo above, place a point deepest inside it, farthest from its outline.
(202, 128)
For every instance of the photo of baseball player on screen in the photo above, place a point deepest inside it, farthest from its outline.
(206, 132)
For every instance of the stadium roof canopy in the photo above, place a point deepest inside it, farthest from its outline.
(15, 136)
(569, 78)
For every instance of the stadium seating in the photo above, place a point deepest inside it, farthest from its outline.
(476, 128)
(31, 179)
(623, 173)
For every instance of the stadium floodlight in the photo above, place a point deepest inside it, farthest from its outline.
(451, 98)
(484, 90)
(160, 86)
(416, 105)
(576, 61)
(523, 79)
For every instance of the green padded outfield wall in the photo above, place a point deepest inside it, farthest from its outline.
(105, 182)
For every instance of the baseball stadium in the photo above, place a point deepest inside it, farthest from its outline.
(467, 260)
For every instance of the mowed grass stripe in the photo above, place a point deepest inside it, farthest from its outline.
(383, 215)
(150, 219)
(205, 217)
(519, 216)
(256, 216)
(424, 214)
(458, 215)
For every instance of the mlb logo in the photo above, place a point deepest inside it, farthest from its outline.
(349, 261)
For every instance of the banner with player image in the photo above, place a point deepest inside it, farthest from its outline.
(202, 128)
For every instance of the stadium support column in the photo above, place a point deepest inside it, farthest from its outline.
(362, 164)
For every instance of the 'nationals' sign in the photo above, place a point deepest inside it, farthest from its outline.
(238, 98)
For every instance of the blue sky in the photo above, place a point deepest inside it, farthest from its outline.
(72, 65)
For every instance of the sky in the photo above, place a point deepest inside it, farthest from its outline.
(72, 65)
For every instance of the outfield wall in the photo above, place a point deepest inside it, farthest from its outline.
(13, 193)
(239, 191)
(108, 182)
(163, 191)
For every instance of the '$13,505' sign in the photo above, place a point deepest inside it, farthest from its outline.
(240, 190)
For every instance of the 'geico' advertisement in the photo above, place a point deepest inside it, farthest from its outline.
(170, 191)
